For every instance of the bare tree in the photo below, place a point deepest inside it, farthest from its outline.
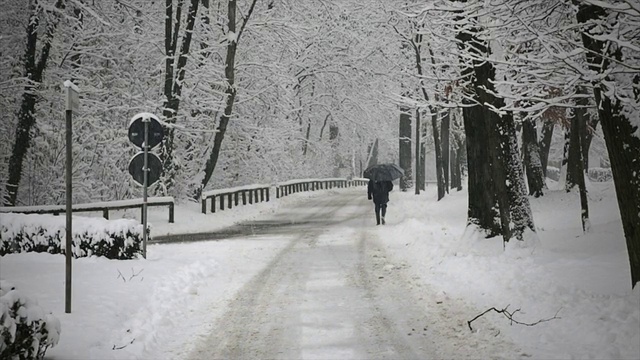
(605, 35)
(34, 67)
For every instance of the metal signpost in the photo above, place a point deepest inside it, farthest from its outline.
(71, 103)
(145, 132)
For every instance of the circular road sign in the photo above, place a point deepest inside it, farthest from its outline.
(137, 164)
(136, 130)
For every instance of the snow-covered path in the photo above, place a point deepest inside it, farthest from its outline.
(332, 292)
(311, 276)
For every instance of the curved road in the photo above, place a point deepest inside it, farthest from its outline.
(333, 293)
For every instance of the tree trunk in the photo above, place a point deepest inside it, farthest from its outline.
(33, 70)
(416, 43)
(574, 170)
(545, 145)
(173, 81)
(623, 146)
(576, 164)
(532, 163)
(230, 92)
(404, 150)
(458, 168)
(444, 127)
(515, 210)
(588, 130)
(305, 143)
(454, 163)
(565, 156)
(423, 170)
(373, 154)
(482, 200)
(419, 165)
(230, 96)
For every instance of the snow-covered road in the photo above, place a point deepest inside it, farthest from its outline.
(332, 292)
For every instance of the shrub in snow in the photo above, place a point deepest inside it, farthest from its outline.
(114, 239)
(26, 332)
(553, 173)
(598, 174)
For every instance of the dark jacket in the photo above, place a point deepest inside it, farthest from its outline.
(379, 190)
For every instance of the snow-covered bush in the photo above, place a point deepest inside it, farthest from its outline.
(553, 173)
(598, 174)
(26, 332)
(113, 239)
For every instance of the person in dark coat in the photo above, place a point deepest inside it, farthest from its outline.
(379, 192)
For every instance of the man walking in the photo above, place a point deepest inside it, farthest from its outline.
(379, 192)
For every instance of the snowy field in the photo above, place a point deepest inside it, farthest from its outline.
(154, 308)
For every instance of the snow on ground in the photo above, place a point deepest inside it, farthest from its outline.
(154, 307)
(583, 278)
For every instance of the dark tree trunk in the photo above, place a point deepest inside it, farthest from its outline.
(482, 200)
(33, 70)
(444, 127)
(453, 163)
(173, 81)
(305, 144)
(532, 163)
(438, 150)
(404, 150)
(515, 210)
(483, 204)
(545, 145)
(416, 43)
(419, 164)
(423, 170)
(373, 154)
(575, 171)
(587, 136)
(576, 165)
(564, 165)
(458, 168)
(230, 92)
(618, 130)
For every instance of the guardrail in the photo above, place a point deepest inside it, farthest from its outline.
(105, 207)
(294, 186)
(251, 193)
(259, 193)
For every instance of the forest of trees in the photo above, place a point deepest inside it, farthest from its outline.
(259, 91)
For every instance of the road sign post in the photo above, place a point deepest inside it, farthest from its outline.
(71, 103)
(145, 171)
(145, 132)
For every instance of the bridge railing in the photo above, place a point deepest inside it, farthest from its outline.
(230, 197)
(233, 196)
(104, 207)
(299, 185)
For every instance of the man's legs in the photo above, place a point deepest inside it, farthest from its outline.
(383, 207)
(377, 210)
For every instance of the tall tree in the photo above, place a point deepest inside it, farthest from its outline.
(608, 37)
(444, 128)
(34, 67)
(514, 207)
(175, 69)
(532, 163)
(404, 149)
(230, 91)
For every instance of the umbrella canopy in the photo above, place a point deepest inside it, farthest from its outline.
(383, 172)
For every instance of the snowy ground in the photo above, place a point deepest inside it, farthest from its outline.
(162, 306)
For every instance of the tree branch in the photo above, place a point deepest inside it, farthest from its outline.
(509, 315)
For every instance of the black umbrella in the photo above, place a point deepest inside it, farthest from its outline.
(383, 172)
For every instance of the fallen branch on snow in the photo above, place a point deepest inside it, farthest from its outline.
(509, 315)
